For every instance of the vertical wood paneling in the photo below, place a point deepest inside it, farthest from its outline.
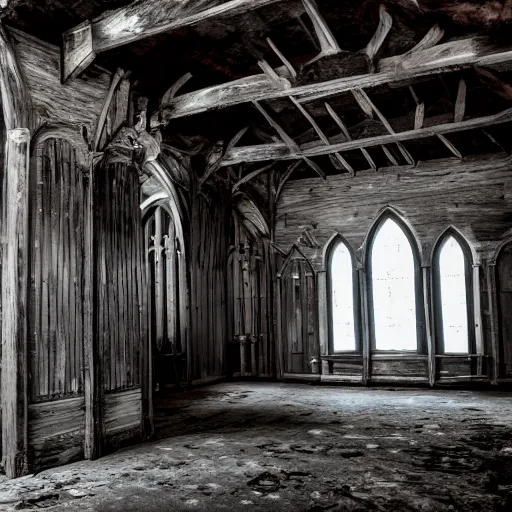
(120, 268)
(56, 295)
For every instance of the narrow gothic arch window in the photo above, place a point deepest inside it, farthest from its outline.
(452, 269)
(393, 289)
(341, 291)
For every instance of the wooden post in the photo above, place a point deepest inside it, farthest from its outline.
(431, 346)
(323, 320)
(243, 339)
(14, 381)
(365, 331)
(492, 292)
(91, 383)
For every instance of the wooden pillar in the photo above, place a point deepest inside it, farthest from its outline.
(91, 378)
(430, 341)
(365, 331)
(492, 292)
(323, 317)
(477, 315)
(14, 392)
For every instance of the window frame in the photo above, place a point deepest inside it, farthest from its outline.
(421, 347)
(337, 240)
(436, 293)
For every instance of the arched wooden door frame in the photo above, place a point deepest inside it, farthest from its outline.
(295, 253)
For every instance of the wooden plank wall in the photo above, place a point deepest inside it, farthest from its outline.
(56, 432)
(56, 275)
(472, 195)
(121, 324)
(208, 250)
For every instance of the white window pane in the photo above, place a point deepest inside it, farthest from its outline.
(342, 299)
(453, 297)
(394, 294)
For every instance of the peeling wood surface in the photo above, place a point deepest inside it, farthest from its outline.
(78, 102)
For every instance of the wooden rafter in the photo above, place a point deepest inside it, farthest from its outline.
(409, 159)
(286, 63)
(281, 152)
(344, 130)
(385, 24)
(137, 21)
(327, 41)
(339, 160)
(289, 142)
(442, 58)
(460, 102)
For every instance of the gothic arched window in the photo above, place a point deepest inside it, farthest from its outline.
(395, 288)
(452, 267)
(342, 299)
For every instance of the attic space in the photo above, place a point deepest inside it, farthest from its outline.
(256, 254)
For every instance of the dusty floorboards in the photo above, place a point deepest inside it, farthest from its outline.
(295, 447)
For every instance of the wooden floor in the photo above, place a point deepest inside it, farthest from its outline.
(296, 447)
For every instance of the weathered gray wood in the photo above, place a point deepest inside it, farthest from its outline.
(140, 20)
(367, 101)
(116, 79)
(279, 151)
(449, 145)
(442, 58)
(326, 40)
(460, 103)
(77, 50)
(385, 24)
(345, 132)
(282, 58)
(290, 143)
(15, 100)
(249, 177)
(427, 304)
(344, 164)
(78, 102)
(15, 264)
(431, 38)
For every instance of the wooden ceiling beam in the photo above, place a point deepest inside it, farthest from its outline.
(137, 21)
(449, 56)
(281, 151)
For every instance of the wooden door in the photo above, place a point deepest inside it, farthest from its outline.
(120, 307)
(298, 317)
(504, 286)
